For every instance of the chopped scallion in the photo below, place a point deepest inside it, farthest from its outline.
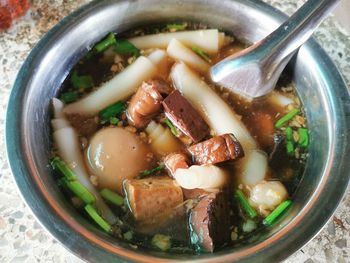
(112, 197)
(161, 241)
(70, 96)
(289, 141)
(124, 47)
(176, 27)
(105, 43)
(248, 209)
(80, 191)
(83, 81)
(97, 218)
(276, 213)
(171, 126)
(113, 120)
(201, 53)
(290, 115)
(303, 137)
(61, 166)
(152, 171)
(112, 110)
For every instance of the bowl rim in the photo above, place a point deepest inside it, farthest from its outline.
(21, 171)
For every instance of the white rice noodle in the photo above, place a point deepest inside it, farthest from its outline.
(163, 141)
(204, 177)
(59, 123)
(180, 52)
(208, 40)
(160, 58)
(122, 86)
(57, 106)
(224, 40)
(66, 141)
(220, 118)
(67, 144)
(255, 168)
(213, 109)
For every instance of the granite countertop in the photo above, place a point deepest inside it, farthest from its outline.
(22, 239)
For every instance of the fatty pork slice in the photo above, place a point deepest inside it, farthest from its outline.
(184, 116)
(210, 222)
(216, 150)
(151, 197)
(145, 104)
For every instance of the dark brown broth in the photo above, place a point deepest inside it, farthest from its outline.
(252, 115)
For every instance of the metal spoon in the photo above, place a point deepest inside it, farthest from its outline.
(254, 71)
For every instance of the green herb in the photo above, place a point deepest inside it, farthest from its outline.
(171, 126)
(201, 53)
(290, 115)
(276, 213)
(176, 27)
(112, 110)
(112, 197)
(303, 137)
(128, 235)
(113, 120)
(161, 241)
(105, 43)
(97, 218)
(83, 81)
(289, 141)
(124, 47)
(79, 190)
(70, 96)
(250, 211)
(61, 166)
(152, 171)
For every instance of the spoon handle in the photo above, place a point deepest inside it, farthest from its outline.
(296, 30)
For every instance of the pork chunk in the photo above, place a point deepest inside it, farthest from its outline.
(185, 117)
(152, 197)
(217, 149)
(210, 221)
(144, 105)
(175, 161)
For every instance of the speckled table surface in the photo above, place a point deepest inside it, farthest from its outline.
(22, 239)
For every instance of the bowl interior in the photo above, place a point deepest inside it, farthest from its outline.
(319, 86)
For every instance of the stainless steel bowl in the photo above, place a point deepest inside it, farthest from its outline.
(320, 87)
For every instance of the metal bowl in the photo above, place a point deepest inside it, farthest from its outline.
(319, 84)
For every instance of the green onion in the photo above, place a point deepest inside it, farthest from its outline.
(152, 171)
(61, 166)
(171, 126)
(176, 26)
(250, 211)
(97, 218)
(124, 47)
(303, 137)
(201, 53)
(83, 81)
(113, 120)
(105, 43)
(161, 241)
(290, 115)
(112, 110)
(80, 191)
(70, 96)
(277, 212)
(289, 141)
(112, 197)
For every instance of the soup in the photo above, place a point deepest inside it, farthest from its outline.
(158, 156)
